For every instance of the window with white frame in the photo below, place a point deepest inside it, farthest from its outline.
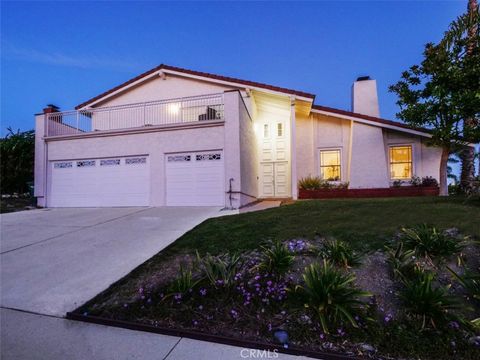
(330, 165)
(279, 129)
(401, 163)
(265, 131)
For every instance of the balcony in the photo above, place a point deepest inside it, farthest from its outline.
(140, 115)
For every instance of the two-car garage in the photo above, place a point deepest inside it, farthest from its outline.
(190, 179)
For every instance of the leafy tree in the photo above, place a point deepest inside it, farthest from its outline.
(442, 91)
(17, 160)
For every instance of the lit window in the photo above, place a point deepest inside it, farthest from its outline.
(330, 166)
(400, 162)
(265, 131)
(279, 129)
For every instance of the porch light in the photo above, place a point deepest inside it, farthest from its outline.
(173, 108)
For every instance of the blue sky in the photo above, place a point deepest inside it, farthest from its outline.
(67, 52)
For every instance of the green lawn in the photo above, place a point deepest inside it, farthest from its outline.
(365, 223)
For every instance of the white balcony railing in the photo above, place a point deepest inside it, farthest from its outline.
(154, 113)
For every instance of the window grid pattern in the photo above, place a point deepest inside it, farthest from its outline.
(330, 165)
(85, 163)
(401, 163)
(136, 160)
(63, 165)
(109, 162)
(212, 156)
(178, 158)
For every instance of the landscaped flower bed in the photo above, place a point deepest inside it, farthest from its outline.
(316, 188)
(316, 294)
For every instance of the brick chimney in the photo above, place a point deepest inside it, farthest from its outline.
(365, 97)
(51, 109)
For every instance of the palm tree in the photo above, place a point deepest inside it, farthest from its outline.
(467, 155)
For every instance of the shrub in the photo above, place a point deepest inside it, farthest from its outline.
(220, 270)
(429, 181)
(470, 282)
(401, 261)
(429, 242)
(397, 183)
(330, 294)
(277, 258)
(415, 181)
(315, 183)
(431, 304)
(310, 183)
(339, 253)
(183, 284)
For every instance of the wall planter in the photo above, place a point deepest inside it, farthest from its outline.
(368, 193)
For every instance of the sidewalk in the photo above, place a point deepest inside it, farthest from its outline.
(33, 336)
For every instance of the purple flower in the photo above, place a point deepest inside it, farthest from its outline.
(125, 305)
(203, 291)
(234, 313)
(454, 325)
(269, 327)
(340, 332)
(200, 307)
(195, 322)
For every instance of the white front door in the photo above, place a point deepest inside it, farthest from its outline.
(116, 181)
(274, 160)
(195, 179)
(274, 179)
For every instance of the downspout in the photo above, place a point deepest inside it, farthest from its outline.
(293, 149)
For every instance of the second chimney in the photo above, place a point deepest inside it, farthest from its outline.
(365, 97)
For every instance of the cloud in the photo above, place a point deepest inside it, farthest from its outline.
(61, 59)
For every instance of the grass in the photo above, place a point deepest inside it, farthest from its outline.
(364, 223)
(15, 204)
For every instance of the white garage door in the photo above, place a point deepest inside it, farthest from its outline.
(195, 179)
(122, 181)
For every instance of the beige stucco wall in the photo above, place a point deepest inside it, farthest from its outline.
(170, 87)
(248, 156)
(365, 159)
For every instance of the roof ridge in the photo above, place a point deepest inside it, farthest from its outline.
(201, 74)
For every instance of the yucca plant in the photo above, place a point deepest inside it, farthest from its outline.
(433, 305)
(220, 270)
(340, 253)
(428, 241)
(401, 261)
(276, 258)
(331, 295)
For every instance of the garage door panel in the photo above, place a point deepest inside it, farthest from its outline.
(195, 179)
(100, 183)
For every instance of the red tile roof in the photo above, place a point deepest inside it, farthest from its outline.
(370, 118)
(201, 74)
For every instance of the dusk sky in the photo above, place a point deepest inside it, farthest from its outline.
(67, 52)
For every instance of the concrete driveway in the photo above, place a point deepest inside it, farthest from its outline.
(53, 260)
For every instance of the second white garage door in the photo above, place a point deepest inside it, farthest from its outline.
(195, 179)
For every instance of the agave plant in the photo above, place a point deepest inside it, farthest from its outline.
(432, 304)
(401, 261)
(428, 241)
(339, 253)
(331, 295)
(220, 270)
(277, 259)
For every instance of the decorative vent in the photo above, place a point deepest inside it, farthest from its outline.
(213, 156)
(63, 165)
(136, 160)
(109, 162)
(85, 163)
(178, 158)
